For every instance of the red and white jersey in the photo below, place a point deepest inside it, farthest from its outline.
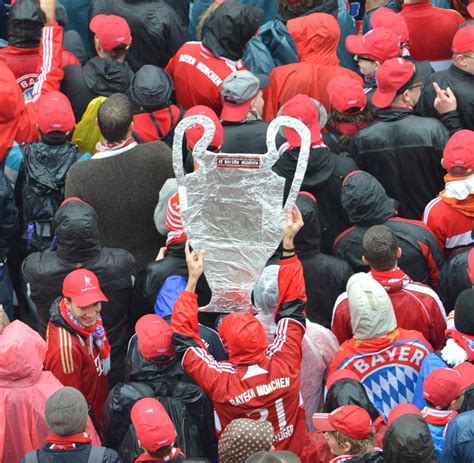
(451, 228)
(198, 76)
(267, 390)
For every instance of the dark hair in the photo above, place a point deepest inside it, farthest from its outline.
(380, 246)
(336, 117)
(115, 116)
(56, 137)
(301, 6)
(117, 53)
(161, 452)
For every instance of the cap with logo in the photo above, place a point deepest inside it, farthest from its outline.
(464, 39)
(346, 95)
(385, 17)
(55, 113)
(393, 75)
(459, 151)
(154, 337)
(152, 424)
(442, 386)
(82, 287)
(237, 91)
(379, 44)
(350, 420)
(194, 133)
(111, 31)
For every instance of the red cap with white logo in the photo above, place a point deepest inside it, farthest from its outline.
(82, 287)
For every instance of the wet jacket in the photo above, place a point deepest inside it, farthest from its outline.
(157, 29)
(403, 151)
(98, 77)
(79, 245)
(80, 454)
(166, 380)
(8, 214)
(366, 204)
(18, 120)
(325, 276)
(459, 440)
(323, 179)
(461, 83)
(316, 37)
(245, 137)
(24, 390)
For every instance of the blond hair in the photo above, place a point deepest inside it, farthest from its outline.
(359, 447)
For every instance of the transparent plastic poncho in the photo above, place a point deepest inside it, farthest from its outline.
(232, 207)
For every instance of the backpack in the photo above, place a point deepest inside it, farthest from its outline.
(41, 183)
(96, 455)
(185, 406)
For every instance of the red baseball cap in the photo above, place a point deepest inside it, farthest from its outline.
(350, 420)
(340, 374)
(379, 44)
(464, 39)
(442, 386)
(466, 369)
(55, 113)
(459, 151)
(400, 410)
(470, 9)
(194, 133)
(346, 93)
(385, 17)
(470, 265)
(152, 424)
(155, 339)
(82, 287)
(111, 31)
(302, 107)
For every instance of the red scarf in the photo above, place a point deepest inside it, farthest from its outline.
(96, 331)
(350, 128)
(67, 442)
(438, 417)
(175, 452)
(391, 280)
(464, 341)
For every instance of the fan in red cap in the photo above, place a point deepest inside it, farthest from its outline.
(194, 133)
(450, 215)
(111, 32)
(78, 349)
(349, 433)
(385, 17)
(154, 339)
(155, 432)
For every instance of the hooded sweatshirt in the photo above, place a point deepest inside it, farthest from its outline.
(316, 37)
(387, 359)
(366, 203)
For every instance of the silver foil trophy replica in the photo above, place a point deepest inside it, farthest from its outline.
(232, 207)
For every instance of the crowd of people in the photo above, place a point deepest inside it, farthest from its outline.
(360, 344)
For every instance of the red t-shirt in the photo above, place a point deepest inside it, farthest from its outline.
(198, 76)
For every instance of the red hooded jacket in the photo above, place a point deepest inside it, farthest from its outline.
(259, 381)
(17, 118)
(316, 38)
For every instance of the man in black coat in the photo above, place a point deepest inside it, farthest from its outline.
(402, 150)
(449, 94)
(106, 73)
(79, 246)
(366, 204)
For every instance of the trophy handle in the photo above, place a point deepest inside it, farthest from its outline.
(200, 147)
(273, 154)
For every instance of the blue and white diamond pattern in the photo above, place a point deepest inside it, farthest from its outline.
(391, 385)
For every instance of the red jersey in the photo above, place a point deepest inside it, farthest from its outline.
(451, 227)
(75, 361)
(198, 76)
(268, 390)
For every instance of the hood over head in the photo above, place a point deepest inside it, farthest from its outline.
(25, 21)
(265, 293)
(408, 440)
(371, 309)
(316, 38)
(105, 77)
(77, 231)
(365, 201)
(22, 353)
(309, 237)
(244, 338)
(348, 391)
(229, 27)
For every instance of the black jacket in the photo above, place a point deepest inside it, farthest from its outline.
(78, 245)
(245, 137)
(78, 455)
(229, 28)
(98, 77)
(8, 214)
(453, 278)
(403, 151)
(157, 29)
(366, 204)
(325, 276)
(462, 84)
(323, 179)
(329, 7)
